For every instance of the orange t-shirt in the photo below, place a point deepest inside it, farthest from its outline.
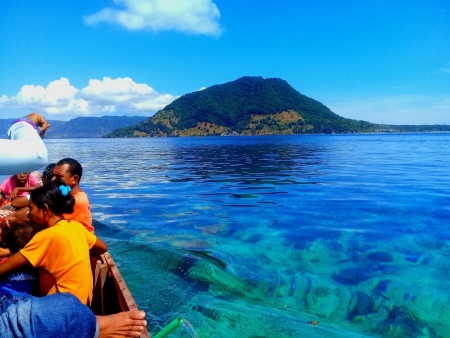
(63, 252)
(81, 211)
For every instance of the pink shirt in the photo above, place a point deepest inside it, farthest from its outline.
(9, 184)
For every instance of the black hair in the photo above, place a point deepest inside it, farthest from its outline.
(47, 173)
(75, 167)
(17, 236)
(52, 195)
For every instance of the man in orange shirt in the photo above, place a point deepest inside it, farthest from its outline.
(70, 171)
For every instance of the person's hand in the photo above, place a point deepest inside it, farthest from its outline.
(44, 127)
(14, 194)
(4, 252)
(9, 220)
(40, 121)
(19, 216)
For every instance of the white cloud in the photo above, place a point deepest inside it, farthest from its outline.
(57, 92)
(189, 16)
(121, 96)
(402, 109)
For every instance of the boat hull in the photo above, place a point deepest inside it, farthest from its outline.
(111, 294)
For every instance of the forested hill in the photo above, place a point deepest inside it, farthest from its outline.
(249, 106)
(90, 127)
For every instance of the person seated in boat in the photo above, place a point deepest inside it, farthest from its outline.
(16, 211)
(70, 171)
(14, 193)
(57, 315)
(18, 185)
(61, 249)
(25, 279)
(24, 151)
(22, 201)
(47, 173)
(41, 179)
(62, 315)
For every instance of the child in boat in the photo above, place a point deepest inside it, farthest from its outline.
(61, 248)
(14, 192)
(16, 211)
(25, 279)
(41, 179)
(18, 185)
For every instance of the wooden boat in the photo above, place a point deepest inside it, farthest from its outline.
(111, 294)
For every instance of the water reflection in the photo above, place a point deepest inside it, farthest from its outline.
(245, 164)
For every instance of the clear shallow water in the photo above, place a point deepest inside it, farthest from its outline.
(260, 236)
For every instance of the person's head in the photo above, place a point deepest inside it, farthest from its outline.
(47, 173)
(17, 236)
(21, 179)
(69, 171)
(53, 199)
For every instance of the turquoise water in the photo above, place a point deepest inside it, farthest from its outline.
(278, 236)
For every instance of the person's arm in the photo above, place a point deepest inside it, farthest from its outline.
(17, 190)
(16, 217)
(99, 248)
(14, 262)
(4, 187)
(40, 121)
(20, 202)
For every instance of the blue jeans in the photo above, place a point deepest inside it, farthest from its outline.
(60, 315)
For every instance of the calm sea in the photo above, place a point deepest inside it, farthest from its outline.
(278, 236)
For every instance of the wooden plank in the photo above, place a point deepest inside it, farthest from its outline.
(111, 294)
(126, 299)
(100, 275)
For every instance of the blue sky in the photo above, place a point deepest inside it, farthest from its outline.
(378, 61)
